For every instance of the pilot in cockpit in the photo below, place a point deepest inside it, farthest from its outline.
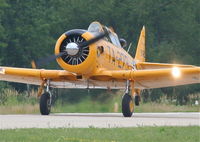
(96, 28)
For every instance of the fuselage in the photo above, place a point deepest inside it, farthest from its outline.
(113, 58)
(102, 55)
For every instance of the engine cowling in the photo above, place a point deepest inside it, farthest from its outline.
(80, 60)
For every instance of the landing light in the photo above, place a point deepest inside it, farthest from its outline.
(176, 72)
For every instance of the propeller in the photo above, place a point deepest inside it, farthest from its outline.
(71, 48)
(44, 61)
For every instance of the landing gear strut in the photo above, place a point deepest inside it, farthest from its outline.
(127, 102)
(45, 101)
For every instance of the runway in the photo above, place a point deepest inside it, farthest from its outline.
(98, 120)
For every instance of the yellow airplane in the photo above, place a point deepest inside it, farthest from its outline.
(96, 58)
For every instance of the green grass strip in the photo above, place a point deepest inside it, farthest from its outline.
(139, 134)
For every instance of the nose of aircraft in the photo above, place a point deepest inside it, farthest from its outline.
(72, 48)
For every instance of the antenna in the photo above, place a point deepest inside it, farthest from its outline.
(129, 47)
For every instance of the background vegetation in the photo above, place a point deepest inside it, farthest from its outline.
(29, 30)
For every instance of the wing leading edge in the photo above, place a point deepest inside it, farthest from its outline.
(155, 78)
(143, 79)
(34, 76)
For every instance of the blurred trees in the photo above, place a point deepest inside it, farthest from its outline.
(29, 29)
(3, 45)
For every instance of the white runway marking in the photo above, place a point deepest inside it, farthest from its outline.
(98, 120)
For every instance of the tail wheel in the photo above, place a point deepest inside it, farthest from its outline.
(45, 104)
(137, 100)
(127, 105)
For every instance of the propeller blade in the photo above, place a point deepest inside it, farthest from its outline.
(93, 40)
(44, 61)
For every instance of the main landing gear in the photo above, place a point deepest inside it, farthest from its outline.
(127, 105)
(130, 97)
(45, 101)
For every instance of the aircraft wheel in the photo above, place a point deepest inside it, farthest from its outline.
(137, 100)
(127, 105)
(45, 104)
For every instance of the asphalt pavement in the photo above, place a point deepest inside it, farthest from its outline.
(98, 120)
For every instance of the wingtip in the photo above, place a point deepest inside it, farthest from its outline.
(2, 71)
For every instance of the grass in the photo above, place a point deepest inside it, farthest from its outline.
(90, 106)
(140, 134)
(157, 107)
(13, 102)
(19, 109)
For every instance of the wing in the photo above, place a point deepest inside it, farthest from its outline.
(154, 78)
(58, 78)
(34, 76)
(158, 78)
(144, 79)
(189, 74)
(149, 65)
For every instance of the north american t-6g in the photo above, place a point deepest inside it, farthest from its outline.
(96, 58)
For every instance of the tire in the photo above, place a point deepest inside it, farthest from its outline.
(45, 106)
(137, 100)
(127, 105)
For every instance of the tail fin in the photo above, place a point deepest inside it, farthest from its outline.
(140, 52)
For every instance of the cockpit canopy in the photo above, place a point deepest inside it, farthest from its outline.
(96, 28)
